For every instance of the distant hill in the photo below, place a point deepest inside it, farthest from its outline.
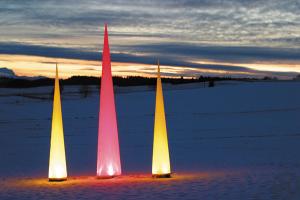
(5, 72)
(8, 73)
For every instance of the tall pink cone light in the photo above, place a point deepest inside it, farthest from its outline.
(108, 161)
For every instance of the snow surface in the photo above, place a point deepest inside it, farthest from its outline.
(233, 141)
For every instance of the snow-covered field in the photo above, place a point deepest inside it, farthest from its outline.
(234, 141)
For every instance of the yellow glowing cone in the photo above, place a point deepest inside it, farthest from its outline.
(57, 161)
(161, 158)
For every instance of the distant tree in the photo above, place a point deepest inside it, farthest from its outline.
(85, 91)
(297, 77)
(211, 83)
(268, 78)
(61, 87)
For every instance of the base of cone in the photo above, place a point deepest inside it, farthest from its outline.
(106, 177)
(161, 175)
(57, 179)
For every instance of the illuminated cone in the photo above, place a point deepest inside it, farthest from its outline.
(108, 162)
(57, 161)
(161, 158)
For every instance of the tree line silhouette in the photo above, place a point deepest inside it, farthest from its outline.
(118, 81)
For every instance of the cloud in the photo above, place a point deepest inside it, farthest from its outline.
(173, 52)
(233, 21)
(235, 54)
(181, 30)
(46, 51)
(180, 55)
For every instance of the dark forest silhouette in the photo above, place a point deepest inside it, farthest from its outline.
(118, 81)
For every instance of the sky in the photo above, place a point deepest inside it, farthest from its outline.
(237, 38)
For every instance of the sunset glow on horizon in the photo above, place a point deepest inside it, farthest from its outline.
(32, 66)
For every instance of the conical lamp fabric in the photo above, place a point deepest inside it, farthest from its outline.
(161, 158)
(108, 161)
(57, 161)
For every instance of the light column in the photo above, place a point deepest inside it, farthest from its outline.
(108, 157)
(161, 158)
(57, 161)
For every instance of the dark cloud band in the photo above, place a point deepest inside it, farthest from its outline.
(167, 54)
